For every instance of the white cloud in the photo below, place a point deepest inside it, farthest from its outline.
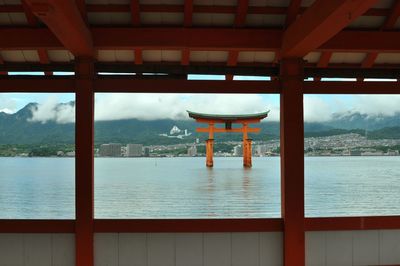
(316, 109)
(7, 104)
(116, 106)
(174, 106)
(51, 111)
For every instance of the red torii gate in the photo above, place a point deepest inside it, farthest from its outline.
(228, 120)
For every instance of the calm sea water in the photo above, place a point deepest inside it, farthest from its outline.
(43, 188)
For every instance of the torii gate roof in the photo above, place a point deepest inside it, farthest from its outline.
(226, 117)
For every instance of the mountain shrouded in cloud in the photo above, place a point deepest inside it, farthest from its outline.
(140, 106)
(117, 106)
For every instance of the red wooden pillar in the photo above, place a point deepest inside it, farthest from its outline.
(84, 162)
(292, 161)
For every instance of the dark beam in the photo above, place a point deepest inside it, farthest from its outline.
(65, 21)
(321, 21)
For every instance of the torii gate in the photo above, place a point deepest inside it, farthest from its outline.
(228, 120)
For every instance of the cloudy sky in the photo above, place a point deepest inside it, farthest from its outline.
(114, 106)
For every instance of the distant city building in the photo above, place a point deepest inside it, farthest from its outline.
(110, 150)
(192, 150)
(392, 152)
(146, 152)
(238, 150)
(260, 150)
(134, 150)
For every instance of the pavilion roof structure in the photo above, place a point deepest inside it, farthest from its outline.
(229, 37)
(228, 117)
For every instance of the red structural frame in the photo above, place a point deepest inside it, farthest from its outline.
(291, 88)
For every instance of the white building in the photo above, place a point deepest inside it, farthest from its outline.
(238, 150)
(192, 151)
(110, 150)
(134, 150)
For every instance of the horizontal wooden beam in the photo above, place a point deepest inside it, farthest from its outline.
(319, 23)
(188, 225)
(36, 84)
(201, 225)
(167, 8)
(349, 87)
(109, 84)
(352, 223)
(37, 226)
(65, 21)
(223, 130)
(198, 39)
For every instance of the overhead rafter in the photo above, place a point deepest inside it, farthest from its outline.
(323, 61)
(30, 17)
(138, 56)
(241, 13)
(185, 59)
(319, 23)
(188, 13)
(81, 4)
(292, 12)
(232, 61)
(44, 59)
(135, 13)
(240, 21)
(65, 21)
(387, 25)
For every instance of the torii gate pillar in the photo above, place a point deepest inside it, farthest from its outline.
(209, 152)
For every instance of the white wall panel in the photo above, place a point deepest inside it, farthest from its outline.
(358, 248)
(37, 250)
(188, 249)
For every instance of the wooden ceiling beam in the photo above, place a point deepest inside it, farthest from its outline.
(81, 4)
(389, 23)
(198, 39)
(135, 13)
(33, 21)
(319, 23)
(292, 12)
(188, 13)
(66, 23)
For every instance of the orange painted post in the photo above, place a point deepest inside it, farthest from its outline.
(246, 147)
(210, 145)
(209, 152)
(292, 161)
(247, 153)
(84, 226)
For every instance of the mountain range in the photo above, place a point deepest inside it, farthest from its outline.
(18, 128)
